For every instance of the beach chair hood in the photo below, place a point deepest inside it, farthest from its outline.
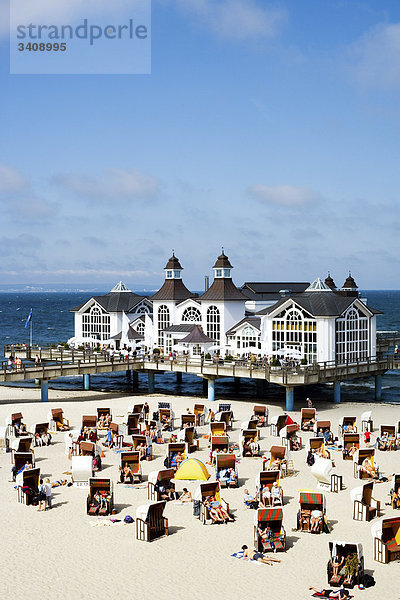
(322, 470)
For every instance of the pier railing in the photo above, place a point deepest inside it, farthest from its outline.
(60, 362)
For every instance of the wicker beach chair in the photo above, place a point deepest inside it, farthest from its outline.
(130, 425)
(266, 479)
(278, 423)
(56, 419)
(347, 425)
(386, 536)
(150, 521)
(131, 459)
(248, 436)
(310, 501)
(224, 462)
(163, 476)
(100, 500)
(28, 486)
(199, 410)
(269, 521)
(203, 492)
(350, 441)
(289, 434)
(352, 552)
(308, 419)
(260, 414)
(363, 454)
(365, 507)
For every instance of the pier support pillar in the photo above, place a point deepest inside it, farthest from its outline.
(378, 387)
(86, 382)
(135, 379)
(211, 390)
(44, 390)
(289, 398)
(336, 392)
(178, 377)
(150, 382)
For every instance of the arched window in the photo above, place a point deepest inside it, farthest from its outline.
(294, 326)
(96, 324)
(140, 328)
(143, 309)
(191, 314)
(213, 323)
(351, 337)
(163, 323)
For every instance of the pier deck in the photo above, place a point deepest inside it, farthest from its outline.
(66, 363)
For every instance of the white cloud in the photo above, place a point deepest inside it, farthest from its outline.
(375, 57)
(235, 19)
(285, 195)
(115, 185)
(11, 180)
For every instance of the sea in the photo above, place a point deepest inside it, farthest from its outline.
(52, 322)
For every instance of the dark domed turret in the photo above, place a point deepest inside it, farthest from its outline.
(173, 263)
(222, 262)
(329, 282)
(349, 287)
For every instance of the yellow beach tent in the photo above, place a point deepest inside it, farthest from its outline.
(192, 468)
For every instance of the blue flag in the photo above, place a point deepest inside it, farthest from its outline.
(28, 319)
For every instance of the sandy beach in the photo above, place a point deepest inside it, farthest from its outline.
(58, 553)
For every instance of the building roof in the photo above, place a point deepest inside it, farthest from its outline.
(260, 290)
(253, 321)
(197, 336)
(222, 262)
(319, 304)
(124, 301)
(120, 287)
(184, 328)
(132, 335)
(318, 286)
(173, 263)
(223, 289)
(329, 282)
(172, 289)
(349, 284)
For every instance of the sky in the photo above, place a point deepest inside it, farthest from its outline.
(268, 128)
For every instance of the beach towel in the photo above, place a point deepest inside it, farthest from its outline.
(240, 556)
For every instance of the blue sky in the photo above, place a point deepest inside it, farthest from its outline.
(269, 128)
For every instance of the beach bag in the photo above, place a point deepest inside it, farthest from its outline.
(128, 519)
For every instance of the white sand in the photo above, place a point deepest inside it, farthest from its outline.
(58, 554)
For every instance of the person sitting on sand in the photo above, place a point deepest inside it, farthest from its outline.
(342, 593)
(258, 556)
(186, 496)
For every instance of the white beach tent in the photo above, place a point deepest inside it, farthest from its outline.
(82, 470)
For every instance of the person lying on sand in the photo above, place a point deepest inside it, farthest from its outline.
(258, 556)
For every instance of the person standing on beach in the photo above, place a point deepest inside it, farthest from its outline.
(42, 495)
(49, 491)
(309, 403)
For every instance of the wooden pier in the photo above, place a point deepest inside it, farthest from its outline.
(55, 363)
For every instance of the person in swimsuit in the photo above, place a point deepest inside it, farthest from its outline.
(258, 556)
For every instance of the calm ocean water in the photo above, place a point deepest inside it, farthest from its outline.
(52, 322)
